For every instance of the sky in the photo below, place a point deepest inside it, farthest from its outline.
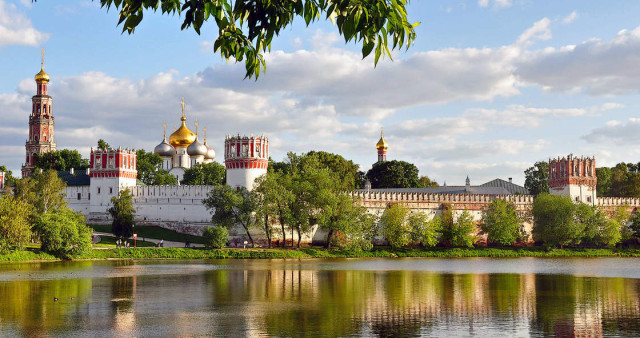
(489, 87)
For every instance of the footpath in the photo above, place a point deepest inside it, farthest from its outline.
(167, 244)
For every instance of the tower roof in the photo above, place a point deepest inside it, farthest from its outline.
(381, 143)
(42, 76)
(182, 137)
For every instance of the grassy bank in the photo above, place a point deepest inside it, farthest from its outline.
(154, 232)
(183, 253)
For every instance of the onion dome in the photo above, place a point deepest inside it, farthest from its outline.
(197, 149)
(42, 77)
(211, 154)
(164, 149)
(182, 137)
(381, 144)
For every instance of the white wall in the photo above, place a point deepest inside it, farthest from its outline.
(243, 177)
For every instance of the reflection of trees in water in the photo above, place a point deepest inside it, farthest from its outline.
(338, 303)
(30, 305)
(294, 302)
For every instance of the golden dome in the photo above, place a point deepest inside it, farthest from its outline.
(42, 76)
(182, 137)
(381, 144)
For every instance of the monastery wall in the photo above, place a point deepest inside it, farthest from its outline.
(180, 208)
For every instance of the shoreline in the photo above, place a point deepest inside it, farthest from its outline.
(304, 253)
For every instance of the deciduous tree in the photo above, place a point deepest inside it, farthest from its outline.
(63, 233)
(394, 174)
(501, 222)
(395, 228)
(554, 220)
(45, 191)
(230, 207)
(150, 172)
(212, 173)
(537, 178)
(122, 213)
(60, 160)
(15, 228)
(247, 28)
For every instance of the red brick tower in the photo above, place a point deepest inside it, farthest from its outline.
(40, 122)
(574, 177)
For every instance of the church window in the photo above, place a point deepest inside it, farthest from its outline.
(110, 162)
(577, 170)
(588, 198)
(111, 190)
(577, 199)
(98, 190)
(245, 150)
(98, 160)
(233, 150)
(79, 196)
(257, 149)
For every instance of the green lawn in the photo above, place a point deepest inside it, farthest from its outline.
(155, 233)
(110, 242)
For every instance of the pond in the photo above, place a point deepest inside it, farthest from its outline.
(339, 297)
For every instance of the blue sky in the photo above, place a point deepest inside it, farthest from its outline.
(489, 87)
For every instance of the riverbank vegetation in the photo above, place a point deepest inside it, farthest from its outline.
(38, 213)
(318, 252)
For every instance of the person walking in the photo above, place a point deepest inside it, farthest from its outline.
(162, 243)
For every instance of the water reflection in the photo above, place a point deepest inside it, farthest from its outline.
(276, 299)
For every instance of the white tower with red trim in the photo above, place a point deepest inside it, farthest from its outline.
(111, 170)
(246, 158)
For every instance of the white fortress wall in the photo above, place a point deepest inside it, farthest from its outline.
(77, 198)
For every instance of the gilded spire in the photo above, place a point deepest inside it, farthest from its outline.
(42, 76)
(196, 126)
(205, 134)
(381, 144)
(164, 127)
(183, 105)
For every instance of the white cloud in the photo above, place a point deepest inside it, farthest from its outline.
(595, 67)
(479, 120)
(539, 31)
(616, 132)
(570, 18)
(16, 28)
(496, 3)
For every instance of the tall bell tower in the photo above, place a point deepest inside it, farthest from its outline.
(382, 148)
(40, 121)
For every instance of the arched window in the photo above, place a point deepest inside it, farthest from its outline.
(577, 170)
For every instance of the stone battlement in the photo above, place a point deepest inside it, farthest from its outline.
(171, 191)
(417, 200)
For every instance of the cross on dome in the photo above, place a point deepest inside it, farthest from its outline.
(42, 62)
(183, 105)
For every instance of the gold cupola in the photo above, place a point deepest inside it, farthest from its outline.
(182, 137)
(42, 76)
(381, 144)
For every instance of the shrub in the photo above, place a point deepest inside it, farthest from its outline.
(394, 225)
(216, 237)
(63, 233)
(423, 231)
(457, 231)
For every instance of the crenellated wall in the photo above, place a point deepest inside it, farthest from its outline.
(471, 202)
